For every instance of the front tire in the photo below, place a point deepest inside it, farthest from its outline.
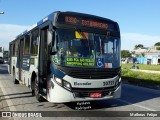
(36, 91)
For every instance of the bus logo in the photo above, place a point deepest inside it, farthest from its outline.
(78, 84)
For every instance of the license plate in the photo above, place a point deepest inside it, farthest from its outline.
(96, 95)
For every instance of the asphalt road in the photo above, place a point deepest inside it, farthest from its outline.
(18, 98)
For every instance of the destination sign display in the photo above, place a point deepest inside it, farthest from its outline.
(80, 61)
(85, 21)
(90, 23)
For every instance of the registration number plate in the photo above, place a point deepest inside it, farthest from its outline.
(96, 95)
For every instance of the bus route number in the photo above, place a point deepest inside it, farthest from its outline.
(108, 83)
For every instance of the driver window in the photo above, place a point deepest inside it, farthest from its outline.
(109, 47)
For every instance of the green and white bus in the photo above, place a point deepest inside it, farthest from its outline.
(68, 57)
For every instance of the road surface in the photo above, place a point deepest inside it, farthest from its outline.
(18, 98)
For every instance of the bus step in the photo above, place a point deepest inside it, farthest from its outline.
(44, 95)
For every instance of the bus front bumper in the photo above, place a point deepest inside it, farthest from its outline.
(58, 94)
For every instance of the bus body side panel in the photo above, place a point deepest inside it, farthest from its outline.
(20, 58)
(13, 66)
(9, 58)
(29, 66)
(25, 69)
(33, 67)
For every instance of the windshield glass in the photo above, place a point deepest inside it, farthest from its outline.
(82, 49)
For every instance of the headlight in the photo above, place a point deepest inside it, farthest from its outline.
(118, 82)
(58, 80)
(63, 83)
(66, 84)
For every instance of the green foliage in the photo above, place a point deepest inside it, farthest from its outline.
(138, 77)
(125, 53)
(142, 66)
(157, 48)
(133, 52)
(142, 54)
(0, 49)
(5, 54)
(157, 44)
(138, 46)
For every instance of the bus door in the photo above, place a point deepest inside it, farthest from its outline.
(43, 58)
(21, 58)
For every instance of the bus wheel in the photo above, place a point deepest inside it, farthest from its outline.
(37, 91)
(15, 81)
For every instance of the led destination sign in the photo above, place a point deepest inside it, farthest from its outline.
(79, 61)
(86, 21)
(89, 23)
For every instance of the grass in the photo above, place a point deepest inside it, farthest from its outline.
(142, 66)
(141, 78)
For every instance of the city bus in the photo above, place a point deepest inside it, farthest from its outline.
(67, 57)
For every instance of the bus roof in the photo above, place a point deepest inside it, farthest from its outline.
(52, 16)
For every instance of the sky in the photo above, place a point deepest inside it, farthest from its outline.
(139, 20)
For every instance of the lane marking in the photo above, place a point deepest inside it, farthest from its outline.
(9, 102)
(7, 98)
(129, 103)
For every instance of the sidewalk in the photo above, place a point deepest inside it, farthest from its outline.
(147, 71)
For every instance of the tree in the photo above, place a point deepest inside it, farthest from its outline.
(0, 49)
(157, 48)
(157, 44)
(125, 53)
(5, 54)
(138, 46)
(133, 53)
(135, 47)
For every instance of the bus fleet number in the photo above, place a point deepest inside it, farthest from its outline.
(108, 83)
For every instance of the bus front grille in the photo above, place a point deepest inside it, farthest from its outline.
(85, 92)
(93, 74)
(90, 73)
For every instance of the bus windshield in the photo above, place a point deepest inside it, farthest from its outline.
(83, 49)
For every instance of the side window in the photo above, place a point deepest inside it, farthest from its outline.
(13, 52)
(16, 49)
(34, 42)
(27, 45)
(110, 47)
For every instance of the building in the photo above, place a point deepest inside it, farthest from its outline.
(147, 55)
